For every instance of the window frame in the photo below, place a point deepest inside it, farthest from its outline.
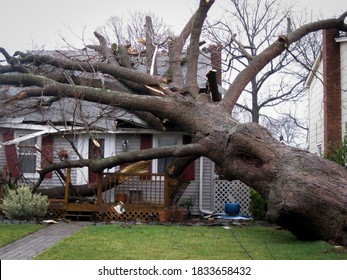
(38, 139)
(179, 142)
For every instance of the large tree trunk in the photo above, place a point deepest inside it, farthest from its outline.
(306, 193)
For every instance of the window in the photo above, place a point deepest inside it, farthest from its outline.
(29, 158)
(162, 141)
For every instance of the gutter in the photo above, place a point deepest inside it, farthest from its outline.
(33, 135)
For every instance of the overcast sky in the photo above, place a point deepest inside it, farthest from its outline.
(32, 24)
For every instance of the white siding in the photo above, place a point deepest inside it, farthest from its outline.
(132, 139)
(316, 117)
(193, 190)
(60, 143)
(3, 161)
(343, 53)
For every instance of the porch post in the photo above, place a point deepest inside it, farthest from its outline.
(67, 185)
(166, 190)
(99, 193)
(4, 175)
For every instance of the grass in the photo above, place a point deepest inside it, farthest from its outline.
(143, 242)
(12, 232)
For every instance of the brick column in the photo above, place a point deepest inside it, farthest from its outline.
(331, 89)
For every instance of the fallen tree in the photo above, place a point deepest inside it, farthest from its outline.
(306, 193)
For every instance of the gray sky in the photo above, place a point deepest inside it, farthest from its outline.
(32, 24)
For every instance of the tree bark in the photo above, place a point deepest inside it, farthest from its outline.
(80, 191)
(306, 193)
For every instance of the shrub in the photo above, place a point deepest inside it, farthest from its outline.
(258, 206)
(187, 203)
(338, 153)
(21, 204)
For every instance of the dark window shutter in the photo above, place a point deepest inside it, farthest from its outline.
(11, 155)
(95, 153)
(189, 172)
(146, 142)
(47, 152)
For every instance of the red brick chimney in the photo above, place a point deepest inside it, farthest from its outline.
(331, 89)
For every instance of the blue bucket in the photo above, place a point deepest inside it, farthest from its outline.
(232, 209)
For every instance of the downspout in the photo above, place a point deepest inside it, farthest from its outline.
(201, 180)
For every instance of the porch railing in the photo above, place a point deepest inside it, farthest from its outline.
(152, 189)
(135, 189)
(142, 194)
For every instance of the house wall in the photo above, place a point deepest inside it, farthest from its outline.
(204, 174)
(327, 94)
(316, 116)
(193, 190)
(60, 143)
(12, 158)
(204, 168)
(3, 161)
(82, 174)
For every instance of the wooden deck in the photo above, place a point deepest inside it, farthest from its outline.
(145, 197)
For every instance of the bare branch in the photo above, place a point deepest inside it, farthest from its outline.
(104, 49)
(175, 51)
(274, 50)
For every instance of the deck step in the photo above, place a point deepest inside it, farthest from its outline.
(79, 215)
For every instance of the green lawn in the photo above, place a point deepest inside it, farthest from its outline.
(144, 242)
(12, 232)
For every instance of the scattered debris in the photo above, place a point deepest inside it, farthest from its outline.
(49, 222)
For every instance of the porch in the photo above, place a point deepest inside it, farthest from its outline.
(145, 197)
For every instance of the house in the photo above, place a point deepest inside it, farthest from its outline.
(327, 86)
(72, 128)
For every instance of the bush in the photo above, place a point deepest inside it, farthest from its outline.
(338, 153)
(258, 206)
(21, 204)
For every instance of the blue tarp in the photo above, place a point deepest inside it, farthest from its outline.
(228, 217)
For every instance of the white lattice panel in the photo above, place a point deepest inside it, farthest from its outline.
(231, 191)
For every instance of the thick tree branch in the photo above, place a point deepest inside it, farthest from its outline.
(10, 59)
(193, 50)
(105, 51)
(175, 51)
(26, 80)
(164, 106)
(98, 165)
(115, 71)
(151, 48)
(271, 52)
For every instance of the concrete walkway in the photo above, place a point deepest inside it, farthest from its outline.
(33, 244)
